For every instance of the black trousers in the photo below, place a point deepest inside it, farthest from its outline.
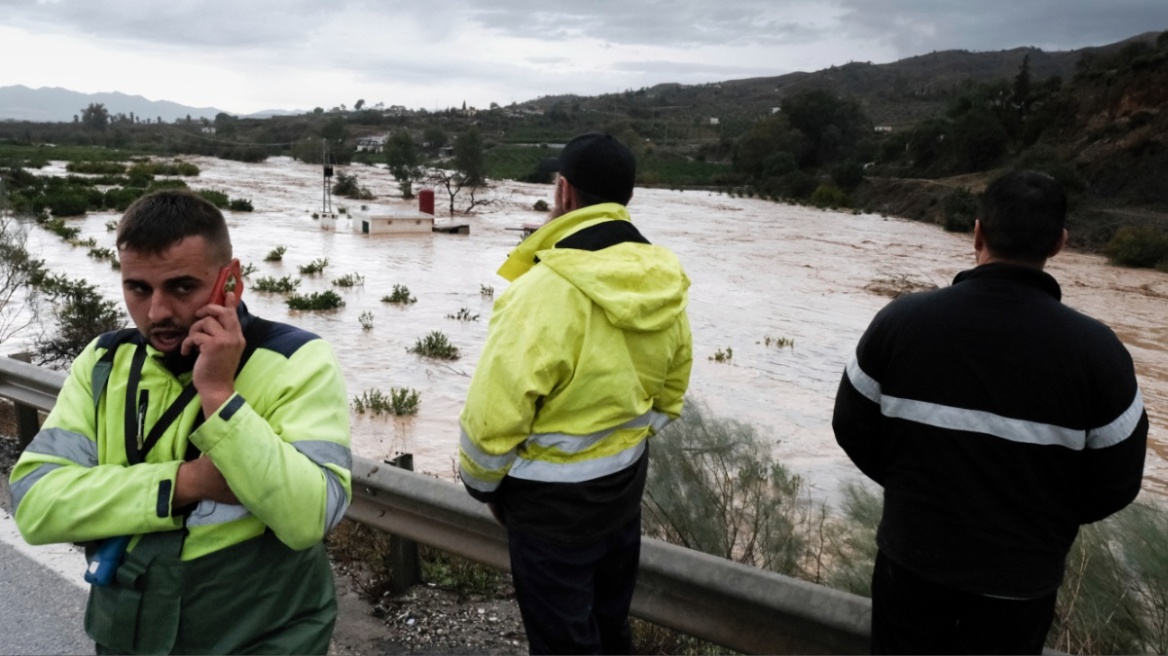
(911, 615)
(575, 599)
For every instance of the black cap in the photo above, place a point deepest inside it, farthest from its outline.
(597, 164)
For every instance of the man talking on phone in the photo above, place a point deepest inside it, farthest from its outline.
(201, 456)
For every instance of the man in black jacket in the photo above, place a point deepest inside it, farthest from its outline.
(997, 420)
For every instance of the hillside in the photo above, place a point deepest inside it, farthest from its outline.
(897, 94)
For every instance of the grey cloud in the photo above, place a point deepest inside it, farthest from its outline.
(684, 23)
(918, 26)
(218, 23)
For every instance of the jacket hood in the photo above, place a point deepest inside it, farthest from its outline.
(639, 286)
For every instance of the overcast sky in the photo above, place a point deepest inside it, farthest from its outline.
(244, 56)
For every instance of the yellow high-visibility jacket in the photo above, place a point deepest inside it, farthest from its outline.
(282, 443)
(588, 354)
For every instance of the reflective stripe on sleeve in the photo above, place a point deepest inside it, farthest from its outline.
(1120, 429)
(864, 384)
(479, 469)
(62, 443)
(20, 488)
(330, 453)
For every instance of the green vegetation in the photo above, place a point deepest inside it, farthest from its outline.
(778, 342)
(829, 196)
(435, 345)
(100, 168)
(463, 315)
(486, 291)
(723, 356)
(403, 161)
(366, 319)
(240, 205)
(276, 254)
(317, 301)
(350, 280)
(269, 284)
(347, 186)
(400, 402)
(1138, 246)
(960, 211)
(314, 267)
(400, 296)
(714, 487)
(81, 313)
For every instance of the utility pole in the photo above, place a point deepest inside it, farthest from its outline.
(327, 193)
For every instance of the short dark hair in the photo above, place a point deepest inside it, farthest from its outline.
(157, 221)
(1023, 214)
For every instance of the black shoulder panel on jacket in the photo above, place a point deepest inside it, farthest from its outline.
(602, 235)
(118, 337)
(285, 339)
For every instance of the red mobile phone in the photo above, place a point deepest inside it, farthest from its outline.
(226, 282)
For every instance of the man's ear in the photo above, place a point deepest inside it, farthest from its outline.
(1060, 245)
(568, 194)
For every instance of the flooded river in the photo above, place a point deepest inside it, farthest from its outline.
(759, 270)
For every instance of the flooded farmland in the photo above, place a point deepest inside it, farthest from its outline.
(761, 272)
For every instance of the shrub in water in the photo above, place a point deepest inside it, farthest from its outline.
(1138, 246)
(400, 296)
(276, 254)
(326, 300)
(284, 285)
(314, 267)
(435, 345)
(350, 280)
(216, 197)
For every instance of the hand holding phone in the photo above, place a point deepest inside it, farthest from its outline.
(226, 282)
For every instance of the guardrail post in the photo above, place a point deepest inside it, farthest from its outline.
(28, 420)
(405, 567)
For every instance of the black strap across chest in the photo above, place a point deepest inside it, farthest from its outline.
(138, 441)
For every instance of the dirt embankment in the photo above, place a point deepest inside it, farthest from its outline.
(1091, 221)
(915, 198)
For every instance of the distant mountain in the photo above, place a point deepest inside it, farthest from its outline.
(57, 105)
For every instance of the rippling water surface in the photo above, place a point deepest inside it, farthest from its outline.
(759, 270)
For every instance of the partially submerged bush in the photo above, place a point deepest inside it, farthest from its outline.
(1138, 246)
(314, 267)
(435, 345)
(284, 285)
(400, 402)
(276, 254)
(400, 296)
(463, 315)
(326, 300)
(350, 280)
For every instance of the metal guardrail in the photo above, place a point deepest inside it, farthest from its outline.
(743, 608)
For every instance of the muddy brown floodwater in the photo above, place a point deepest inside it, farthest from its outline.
(759, 270)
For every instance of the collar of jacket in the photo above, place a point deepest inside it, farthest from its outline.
(1014, 273)
(523, 257)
